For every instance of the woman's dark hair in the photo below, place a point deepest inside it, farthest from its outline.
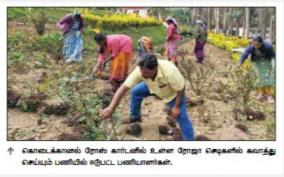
(265, 49)
(78, 16)
(258, 39)
(99, 37)
(148, 61)
(172, 22)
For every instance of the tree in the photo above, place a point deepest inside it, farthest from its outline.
(261, 22)
(193, 15)
(236, 17)
(158, 12)
(272, 25)
(247, 22)
(225, 19)
(217, 20)
(39, 18)
(209, 18)
(230, 22)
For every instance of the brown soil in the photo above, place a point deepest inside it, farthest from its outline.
(56, 107)
(134, 129)
(12, 98)
(164, 129)
(201, 138)
(29, 126)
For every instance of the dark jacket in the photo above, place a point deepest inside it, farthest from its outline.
(266, 50)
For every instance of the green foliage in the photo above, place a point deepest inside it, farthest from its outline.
(197, 76)
(23, 106)
(41, 59)
(271, 128)
(23, 14)
(16, 40)
(157, 34)
(15, 58)
(48, 43)
(45, 87)
(17, 61)
(18, 13)
(88, 105)
(39, 18)
(242, 88)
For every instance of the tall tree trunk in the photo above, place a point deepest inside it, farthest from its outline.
(230, 22)
(186, 16)
(247, 22)
(193, 15)
(225, 12)
(272, 27)
(237, 28)
(203, 13)
(261, 22)
(197, 13)
(243, 18)
(209, 18)
(217, 20)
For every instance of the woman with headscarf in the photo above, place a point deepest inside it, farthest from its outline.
(200, 40)
(172, 39)
(72, 27)
(145, 46)
(116, 48)
(263, 62)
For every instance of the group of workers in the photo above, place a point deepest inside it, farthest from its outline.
(153, 76)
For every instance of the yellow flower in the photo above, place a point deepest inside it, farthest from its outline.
(228, 43)
(119, 20)
(96, 30)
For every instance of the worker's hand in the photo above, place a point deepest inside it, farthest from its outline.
(106, 113)
(96, 70)
(175, 112)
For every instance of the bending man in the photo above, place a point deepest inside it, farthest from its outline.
(159, 77)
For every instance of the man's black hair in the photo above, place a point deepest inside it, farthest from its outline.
(148, 61)
(99, 37)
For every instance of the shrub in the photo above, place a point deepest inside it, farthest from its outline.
(17, 13)
(16, 41)
(48, 43)
(116, 21)
(39, 19)
(15, 58)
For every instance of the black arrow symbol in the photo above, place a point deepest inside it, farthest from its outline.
(10, 150)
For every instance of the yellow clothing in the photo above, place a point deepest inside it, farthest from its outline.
(119, 67)
(265, 90)
(166, 84)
